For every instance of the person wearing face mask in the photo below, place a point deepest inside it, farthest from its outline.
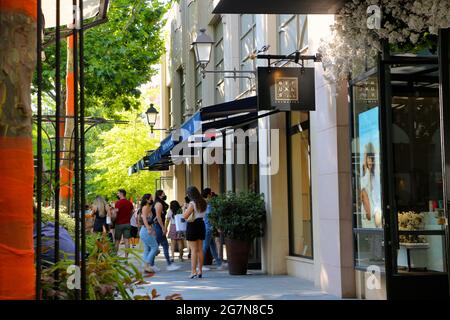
(124, 209)
(147, 234)
(159, 211)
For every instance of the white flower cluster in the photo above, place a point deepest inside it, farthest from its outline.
(411, 221)
(404, 23)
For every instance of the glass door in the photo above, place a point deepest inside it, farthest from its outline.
(412, 179)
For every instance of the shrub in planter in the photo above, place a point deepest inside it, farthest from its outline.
(240, 217)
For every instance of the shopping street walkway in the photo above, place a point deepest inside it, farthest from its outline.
(219, 285)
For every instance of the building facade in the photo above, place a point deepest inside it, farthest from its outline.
(357, 190)
(308, 196)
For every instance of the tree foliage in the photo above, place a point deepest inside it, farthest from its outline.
(121, 147)
(119, 56)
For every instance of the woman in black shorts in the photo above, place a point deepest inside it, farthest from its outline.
(101, 210)
(195, 232)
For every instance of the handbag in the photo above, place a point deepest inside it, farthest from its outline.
(180, 223)
(191, 217)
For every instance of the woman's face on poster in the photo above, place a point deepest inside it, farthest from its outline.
(370, 161)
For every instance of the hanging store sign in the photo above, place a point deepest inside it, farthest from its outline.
(286, 89)
(368, 91)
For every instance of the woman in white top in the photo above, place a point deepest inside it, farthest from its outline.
(176, 236)
(134, 227)
(370, 189)
(195, 232)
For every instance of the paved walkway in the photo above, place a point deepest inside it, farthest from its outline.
(219, 285)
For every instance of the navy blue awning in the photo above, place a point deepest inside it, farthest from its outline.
(219, 116)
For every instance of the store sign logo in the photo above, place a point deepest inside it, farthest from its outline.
(373, 281)
(286, 89)
(368, 91)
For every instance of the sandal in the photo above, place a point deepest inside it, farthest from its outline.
(193, 276)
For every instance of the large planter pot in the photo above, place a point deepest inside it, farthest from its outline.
(237, 256)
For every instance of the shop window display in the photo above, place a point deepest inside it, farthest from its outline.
(366, 165)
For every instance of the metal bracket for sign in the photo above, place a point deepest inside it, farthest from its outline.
(295, 57)
(236, 74)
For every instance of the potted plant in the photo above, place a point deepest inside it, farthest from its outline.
(240, 217)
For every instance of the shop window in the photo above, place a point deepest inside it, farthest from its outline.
(366, 168)
(171, 114)
(188, 173)
(299, 179)
(247, 45)
(414, 172)
(417, 169)
(198, 87)
(245, 168)
(219, 95)
(182, 78)
(292, 33)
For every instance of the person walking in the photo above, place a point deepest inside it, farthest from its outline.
(101, 211)
(176, 236)
(134, 227)
(159, 211)
(195, 232)
(209, 243)
(147, 233)
(124, 210)
(185, 206)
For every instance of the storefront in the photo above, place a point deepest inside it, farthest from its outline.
(399, 205)
(217, 148)
(399, 158)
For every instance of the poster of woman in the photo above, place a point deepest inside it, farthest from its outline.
(370, 190)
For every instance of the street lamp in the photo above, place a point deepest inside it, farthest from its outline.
(151, 115)
(202, 48)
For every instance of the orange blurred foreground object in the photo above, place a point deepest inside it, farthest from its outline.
(28, 7)
(17, 272)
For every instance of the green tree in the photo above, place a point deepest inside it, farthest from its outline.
(119, 148)
(120, 56)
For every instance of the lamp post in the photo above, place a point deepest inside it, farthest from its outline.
(151, 115)
(203, 47)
